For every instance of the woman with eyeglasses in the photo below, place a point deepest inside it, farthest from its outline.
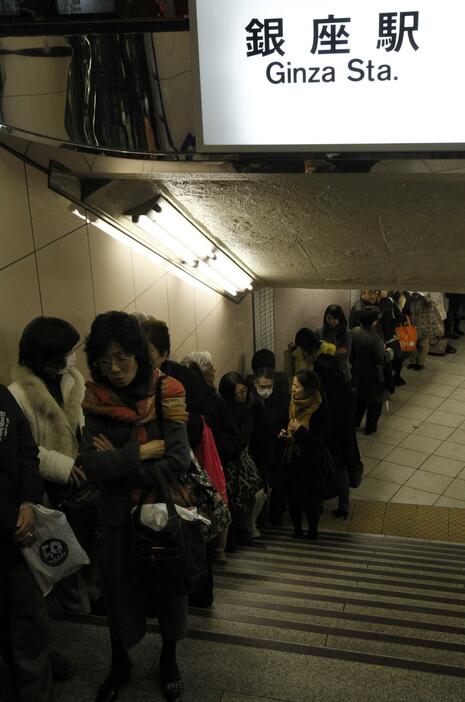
(123, 449)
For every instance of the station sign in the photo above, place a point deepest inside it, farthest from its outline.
(328, 75)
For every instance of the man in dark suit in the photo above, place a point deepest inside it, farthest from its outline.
(24, 623)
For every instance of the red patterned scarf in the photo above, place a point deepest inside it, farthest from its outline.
(101, 399)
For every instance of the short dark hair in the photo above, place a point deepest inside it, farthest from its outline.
(124, 329)
(157, 333)
(368, 316)
(337, 312)
(228, 384)
(309, 381)
(46, 339)
(307, 339)
(267, 373)
(264, 358)
(328, 369)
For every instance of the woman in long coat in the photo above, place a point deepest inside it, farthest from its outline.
(309, 428)
(123, 450)
(369, 358)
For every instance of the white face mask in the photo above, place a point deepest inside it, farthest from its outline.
(71, 360)
(264, 392)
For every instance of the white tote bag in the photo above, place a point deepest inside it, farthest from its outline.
(55, 553)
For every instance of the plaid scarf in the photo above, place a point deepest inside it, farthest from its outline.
(101, 399)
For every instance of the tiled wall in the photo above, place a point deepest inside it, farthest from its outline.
(54, 264)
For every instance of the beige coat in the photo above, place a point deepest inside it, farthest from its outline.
(54, 428)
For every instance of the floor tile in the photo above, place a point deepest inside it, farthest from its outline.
(373, 489)
(403, 394)
(434, 431)
(406, 457)
(420, 443)
(454, 406)
(412, 496)
(373, 448)
(443, 466)
(429, 482)
(445, 418)
(458, 394)
(449, 502)
(369, 464)
(413, 412)
(456, 490)
(420, 399)
(391, 472)
(402, 423)
(457, 437)
(451, 450)
(384, 435)
(451, 379)
(437, 389)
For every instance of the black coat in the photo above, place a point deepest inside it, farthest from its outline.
(19, 468)
(343, 443)
(368, 360)
(275, 418)
(303, 483)
(224, 428)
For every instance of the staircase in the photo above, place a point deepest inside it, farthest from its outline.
(380, 601)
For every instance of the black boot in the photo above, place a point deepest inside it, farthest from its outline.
(119, 675)
(170, 677)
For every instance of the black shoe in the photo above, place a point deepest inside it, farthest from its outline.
(298, 534)
(450, 349)
(114, 682)
(171, 683)
(344, 513)
(399, 381)
(61, 668)
(452, 335)
(411, 365)
(312, 535)
(458, 331)
(418, 367)
(368, 432)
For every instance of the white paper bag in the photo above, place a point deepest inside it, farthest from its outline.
(55, 553)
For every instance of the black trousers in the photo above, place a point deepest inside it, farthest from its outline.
(24, 631)
(453, 318)
(373, 410)
(312, 510)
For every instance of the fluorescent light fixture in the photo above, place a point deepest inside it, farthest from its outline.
(160, 235)
(171, 230)
(189, 279)
(176, 224)
(217, 278)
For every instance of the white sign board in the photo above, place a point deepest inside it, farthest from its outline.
(290, 75)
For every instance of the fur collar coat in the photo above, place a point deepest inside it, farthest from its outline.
(54, 428)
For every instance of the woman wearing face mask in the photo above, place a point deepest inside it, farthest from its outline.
(243, 477)
(50, 391)
(309, 425)
(123, 449)
(335, 331)
(276, 411)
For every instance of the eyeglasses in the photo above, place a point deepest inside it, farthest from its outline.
(120, 359)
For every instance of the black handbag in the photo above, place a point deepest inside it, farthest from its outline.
(327, 476)
(355, 470)
(173, 559)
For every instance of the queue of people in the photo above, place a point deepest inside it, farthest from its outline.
(143, 423)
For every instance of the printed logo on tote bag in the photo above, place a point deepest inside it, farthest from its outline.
(53, 552)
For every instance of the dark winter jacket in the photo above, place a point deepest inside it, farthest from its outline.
(368, 360)
(19, 468)
(195, 397)
(224, 429)
(341, 401)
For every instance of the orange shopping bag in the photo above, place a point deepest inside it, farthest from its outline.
(407, 334)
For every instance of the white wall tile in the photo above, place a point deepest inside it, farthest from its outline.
(66, 280)
(111, 272)
(16, 231)
(181, 310)
(19, 293)
(154, 301)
